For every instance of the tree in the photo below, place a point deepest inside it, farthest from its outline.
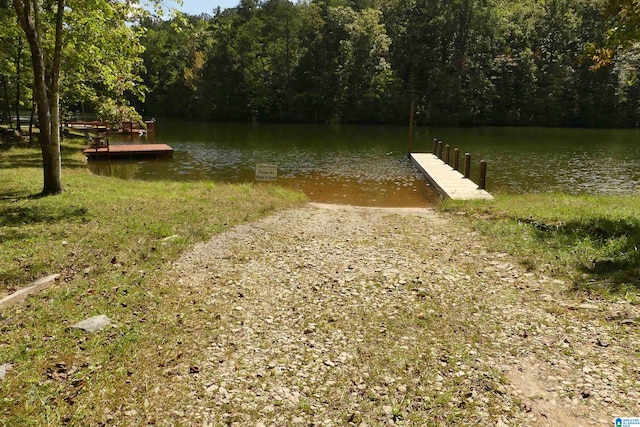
(46, 87)
(505, 62)
(442, 52)
(626, 14)
(10, 35)
(223, 83)
(365, 75)
(50, 27)
(102, 57)
(622, 50)
(175, 52)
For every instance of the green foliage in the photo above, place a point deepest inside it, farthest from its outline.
(100, 63)
(15, 73)
(463, 61)
(625, 30)
(498, 62)
(114, 113)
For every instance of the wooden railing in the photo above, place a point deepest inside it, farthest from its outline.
(443, 152)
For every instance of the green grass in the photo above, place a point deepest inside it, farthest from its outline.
(101, 222)
(111, 240)
(591, 240)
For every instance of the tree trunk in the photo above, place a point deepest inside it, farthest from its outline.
(33, 110)
(18, 55)
(45, 96)
(7, 105)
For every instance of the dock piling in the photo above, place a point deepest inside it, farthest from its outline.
(483, 175)
(435, 146)
(467, 165)
(446, 153)
(456, 158)
(439, 150)
(412, 113)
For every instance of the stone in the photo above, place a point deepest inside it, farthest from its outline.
(4, 369)
(93, 324)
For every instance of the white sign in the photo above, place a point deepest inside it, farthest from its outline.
(266, 172)
(627, 422)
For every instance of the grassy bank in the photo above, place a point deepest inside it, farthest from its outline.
(591, 240)
(111, 240)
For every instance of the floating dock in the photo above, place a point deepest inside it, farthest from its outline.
(446, 180)
(128, 151)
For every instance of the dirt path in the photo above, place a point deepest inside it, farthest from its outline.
(332, 316)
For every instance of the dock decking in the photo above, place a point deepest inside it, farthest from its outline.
(446, 180)
(129, 151)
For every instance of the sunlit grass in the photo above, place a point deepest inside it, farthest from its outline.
(111, 240)
(590, 239)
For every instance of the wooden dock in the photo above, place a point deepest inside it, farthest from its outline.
(128, 151)
(446, 180)
(96, 125)
(104, 127)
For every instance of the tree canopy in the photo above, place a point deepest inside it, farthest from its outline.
(480, 62)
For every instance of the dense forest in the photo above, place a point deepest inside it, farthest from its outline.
(463, 62)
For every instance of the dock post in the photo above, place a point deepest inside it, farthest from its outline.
(435, 146)
(467, 165)
(483, 175)
(456, 158)
(411, 115)
(151, 126)
(446, 153)
(439, 150)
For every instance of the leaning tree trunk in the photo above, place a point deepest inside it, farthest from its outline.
(46, 97)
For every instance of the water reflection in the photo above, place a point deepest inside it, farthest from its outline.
(363, 166)
(367, 165)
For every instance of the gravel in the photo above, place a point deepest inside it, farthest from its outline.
(335, 316)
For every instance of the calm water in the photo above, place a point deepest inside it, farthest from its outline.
(367, 165)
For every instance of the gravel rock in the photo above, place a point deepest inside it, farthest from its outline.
(350, 316)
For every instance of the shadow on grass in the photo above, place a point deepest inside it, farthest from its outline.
(12, 216)
(31, 157)
(611, 247)
(25, 160)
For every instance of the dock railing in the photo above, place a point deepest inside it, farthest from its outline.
(443, 151)
(95, 126)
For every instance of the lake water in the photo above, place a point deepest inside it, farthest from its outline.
(368, 165)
